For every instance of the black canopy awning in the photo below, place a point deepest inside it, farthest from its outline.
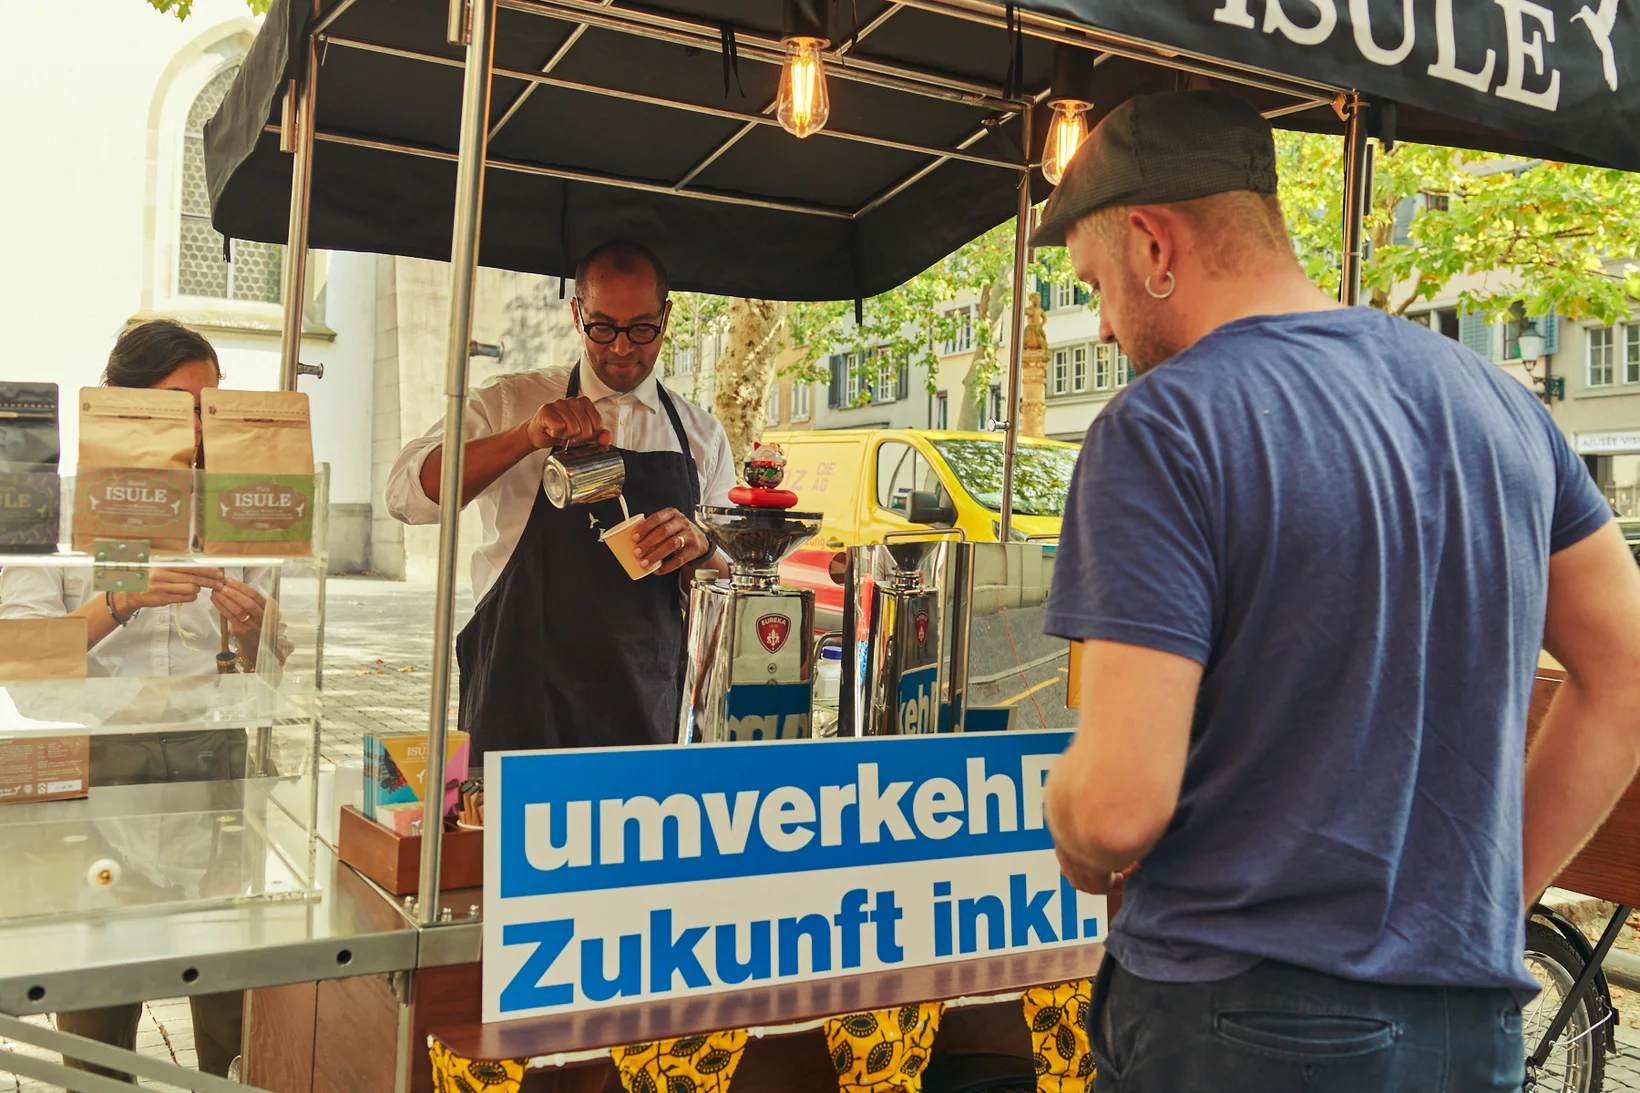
(635, 120)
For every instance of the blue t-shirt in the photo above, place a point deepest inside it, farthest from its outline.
(1347, 520)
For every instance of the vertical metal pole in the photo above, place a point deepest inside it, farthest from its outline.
(475, 118)
(299, 116)
(1016, 343)
(1357, 196)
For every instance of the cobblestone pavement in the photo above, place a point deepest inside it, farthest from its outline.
(378, 660)
(378, 657)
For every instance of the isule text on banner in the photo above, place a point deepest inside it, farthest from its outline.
(617, 875)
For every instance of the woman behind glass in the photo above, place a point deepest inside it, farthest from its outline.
(172, 629)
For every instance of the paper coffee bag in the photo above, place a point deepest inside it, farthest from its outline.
(135, 479)
(29, 492)
(43, 648)
(258, 472)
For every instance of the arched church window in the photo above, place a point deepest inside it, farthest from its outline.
(256, 270)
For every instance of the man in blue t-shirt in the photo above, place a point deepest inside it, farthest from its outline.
(1312, 553)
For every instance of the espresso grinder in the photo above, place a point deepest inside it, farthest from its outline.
(896, 592)
(750, 673)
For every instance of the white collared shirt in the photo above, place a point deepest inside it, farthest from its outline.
(636, 421)
(160, 641)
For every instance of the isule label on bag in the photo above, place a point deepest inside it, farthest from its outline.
(128, 503)
(249, 508)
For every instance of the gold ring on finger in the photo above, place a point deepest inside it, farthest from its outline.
(246, 617)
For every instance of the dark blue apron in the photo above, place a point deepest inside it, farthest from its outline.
(566, 650)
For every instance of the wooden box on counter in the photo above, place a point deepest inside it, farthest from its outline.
(1608, 866)
(394, 861)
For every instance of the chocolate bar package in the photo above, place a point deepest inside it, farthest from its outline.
(395, 771)
(135, 479)
(30, 512)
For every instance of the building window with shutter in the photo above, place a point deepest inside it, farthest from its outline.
(1104, 367)
(1631, 354)
(1513, 327)
(1600, 356)
(962, 339)
(771, 408)
(1064, 295)
(1124, 369)
(256, 271)
(1079, 368)
(802, 397)
(1476, 334)
(1442, 320)
(1059, 374)
(854, 380)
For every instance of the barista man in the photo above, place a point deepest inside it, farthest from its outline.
(564, 649)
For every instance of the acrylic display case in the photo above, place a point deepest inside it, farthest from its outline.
(201, 765)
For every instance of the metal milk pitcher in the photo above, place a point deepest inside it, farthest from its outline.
(582, 475)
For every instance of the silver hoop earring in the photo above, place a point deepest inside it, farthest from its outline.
(1171, 285)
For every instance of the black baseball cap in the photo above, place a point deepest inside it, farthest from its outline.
(1155, 149)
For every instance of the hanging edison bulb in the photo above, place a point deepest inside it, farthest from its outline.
(804, 104)
(1066, 133)
(1071, 98)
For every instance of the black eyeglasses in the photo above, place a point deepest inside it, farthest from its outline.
(637, 333)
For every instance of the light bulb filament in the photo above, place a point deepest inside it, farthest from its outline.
(804, 104)
(1065, 136)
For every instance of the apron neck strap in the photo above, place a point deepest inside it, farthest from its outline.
(573, 389)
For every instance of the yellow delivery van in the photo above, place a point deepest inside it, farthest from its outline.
(868, 482)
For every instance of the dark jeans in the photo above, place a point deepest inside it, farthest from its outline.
(1278, 1027)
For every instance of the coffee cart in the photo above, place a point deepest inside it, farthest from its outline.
(583, 119)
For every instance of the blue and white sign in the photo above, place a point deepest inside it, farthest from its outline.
(618, 875)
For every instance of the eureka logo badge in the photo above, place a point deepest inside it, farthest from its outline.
(772, 631)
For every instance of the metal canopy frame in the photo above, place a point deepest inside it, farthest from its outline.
(472, 24)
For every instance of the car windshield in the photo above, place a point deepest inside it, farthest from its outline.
(1042, 474)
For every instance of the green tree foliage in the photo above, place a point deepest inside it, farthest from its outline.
(1556, 236)
(908, 323)
(184, 8)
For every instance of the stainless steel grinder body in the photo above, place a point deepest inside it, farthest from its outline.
(750, 673)
(750, 667)
(896, 612)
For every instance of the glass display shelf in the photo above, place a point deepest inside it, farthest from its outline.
(170, 762)
(181, 845)
(122, 704)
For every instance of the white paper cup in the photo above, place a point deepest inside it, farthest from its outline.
(619, 540)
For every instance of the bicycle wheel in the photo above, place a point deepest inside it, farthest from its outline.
(1576, 1061)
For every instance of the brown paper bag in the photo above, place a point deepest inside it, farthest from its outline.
(42, 648)
(135, 478)
(258, 472)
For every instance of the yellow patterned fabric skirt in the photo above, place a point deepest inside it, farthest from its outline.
(880, 1051)
(1060, 1050)
(883, 1051)
(454, 1074)
(689, 1064)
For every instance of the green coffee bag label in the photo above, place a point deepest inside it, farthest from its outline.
(28, 508)
(132, 503)
(258, 508)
